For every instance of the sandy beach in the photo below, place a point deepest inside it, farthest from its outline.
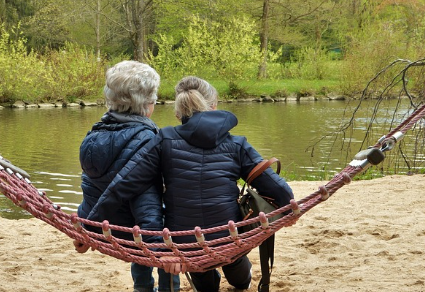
(369, 236)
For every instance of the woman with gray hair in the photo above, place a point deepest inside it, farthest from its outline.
(201, 163)
(130, 93)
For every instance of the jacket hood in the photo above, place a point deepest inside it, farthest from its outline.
(112, 117)
(112, 140)
(207, 129)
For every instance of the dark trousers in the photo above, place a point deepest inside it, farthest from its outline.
(144, 281)
(238, 274)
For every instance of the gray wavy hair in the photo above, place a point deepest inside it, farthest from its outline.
(130, 87)
(194, 94)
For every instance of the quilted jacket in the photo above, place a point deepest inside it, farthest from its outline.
(104, 151)
(201, 163)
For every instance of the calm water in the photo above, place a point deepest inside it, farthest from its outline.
(45, 142)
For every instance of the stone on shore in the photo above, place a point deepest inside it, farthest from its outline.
(46, 105)
(18, 104)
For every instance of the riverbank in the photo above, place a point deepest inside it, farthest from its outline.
(264, 98)
(293, 97)
(369, 236)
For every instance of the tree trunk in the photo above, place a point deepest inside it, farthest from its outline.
(139, 45)
(2, 11)
(264, 38)
(136, 11)
(98, 11)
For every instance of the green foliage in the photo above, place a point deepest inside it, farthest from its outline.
(281, 93)
(255, 87)
(174, 17)
(309, 63)
(18, 68)
(235, 91)
(45, 29)
(167, 60)
(225, 48)
(73, 73)
(392, 32)
(234, 46)
(370, 173)
(274, 67)
(303, 92)
(117, 58)
(70, 73)
(331, 43)
(13, 11)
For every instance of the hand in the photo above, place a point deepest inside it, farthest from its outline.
(174, 268)
(81, 247)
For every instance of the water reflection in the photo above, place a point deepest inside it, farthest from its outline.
(45, 142)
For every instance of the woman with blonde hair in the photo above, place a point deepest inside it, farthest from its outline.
(200, 162)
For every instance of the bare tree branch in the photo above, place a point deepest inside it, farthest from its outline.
(379, 90)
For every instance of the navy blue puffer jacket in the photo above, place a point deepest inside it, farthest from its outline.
(103, 153)
(200, 162)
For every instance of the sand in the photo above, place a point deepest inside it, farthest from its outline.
(369, 236)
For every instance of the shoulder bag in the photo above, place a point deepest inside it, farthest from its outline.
(251, 204)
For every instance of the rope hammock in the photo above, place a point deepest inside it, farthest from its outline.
(201, 255)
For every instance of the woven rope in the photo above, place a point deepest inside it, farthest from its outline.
(199, 256)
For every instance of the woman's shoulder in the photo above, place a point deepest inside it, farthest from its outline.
(238, 139)
(168, 132)
(144, 132)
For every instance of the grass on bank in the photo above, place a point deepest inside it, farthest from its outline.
(284, 80)
(256, 88)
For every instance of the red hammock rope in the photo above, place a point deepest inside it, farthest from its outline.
(201, 255)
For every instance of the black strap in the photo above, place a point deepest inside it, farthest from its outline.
(267, 247)
(266, 260)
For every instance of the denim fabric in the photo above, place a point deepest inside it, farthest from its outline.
(144, 281)
(142, 278)
(164, 280)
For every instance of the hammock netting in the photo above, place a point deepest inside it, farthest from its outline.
(201, 255)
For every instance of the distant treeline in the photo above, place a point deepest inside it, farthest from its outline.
(52, 50)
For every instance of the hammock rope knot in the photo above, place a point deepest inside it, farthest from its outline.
(324, 194)
(295, 208)
(346, 178)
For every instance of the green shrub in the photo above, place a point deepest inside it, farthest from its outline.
(312, 64)
(73, 73)
(372, 49)
(19, 69)
(211, 49)
(68, 74)
(281, 93)
(235, 91)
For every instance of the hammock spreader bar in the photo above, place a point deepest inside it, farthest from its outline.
(199, 255)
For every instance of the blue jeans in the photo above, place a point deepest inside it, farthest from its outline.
(144, 281)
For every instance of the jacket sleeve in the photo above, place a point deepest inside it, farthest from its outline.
(135, 178)
(147, 211)
(269, 183)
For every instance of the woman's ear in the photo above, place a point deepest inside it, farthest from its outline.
(151, 108)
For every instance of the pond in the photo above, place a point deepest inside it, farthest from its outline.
(45, 142)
